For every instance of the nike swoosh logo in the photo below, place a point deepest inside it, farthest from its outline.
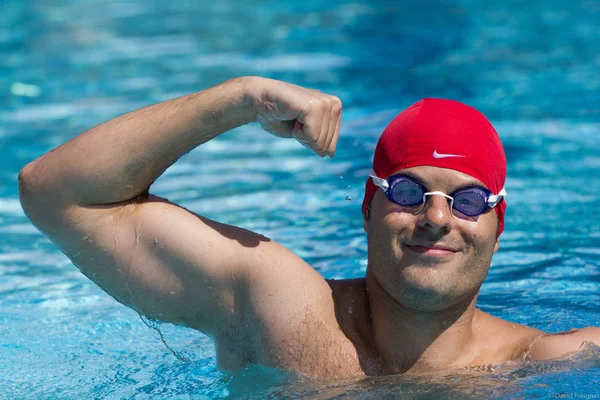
(438, 155)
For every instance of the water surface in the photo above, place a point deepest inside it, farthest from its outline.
(531, 66)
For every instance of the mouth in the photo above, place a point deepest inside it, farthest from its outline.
(434, 250)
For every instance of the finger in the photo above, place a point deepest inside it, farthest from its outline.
(307, 146)
(304, 143)
(325, 127)
(298, 130)
(311, 118)
(298, 135)
(334, 120)
(282, 129)
(331, 120)
(336, 136)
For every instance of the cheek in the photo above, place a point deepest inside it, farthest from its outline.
(380, 226)
(476, 262)
(482, 236)
(384, 236)
(392, 223)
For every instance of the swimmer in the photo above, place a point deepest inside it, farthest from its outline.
(433, 213)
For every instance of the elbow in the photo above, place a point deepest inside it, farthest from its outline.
(25, 180)
(43, 191)
(34, 201)
(26, 188)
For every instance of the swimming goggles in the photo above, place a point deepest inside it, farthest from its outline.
(408, 192)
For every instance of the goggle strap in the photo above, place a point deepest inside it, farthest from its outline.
(495, 199)
(382, 183)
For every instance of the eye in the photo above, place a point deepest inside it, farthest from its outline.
(470, 201)
(466, 200)
(407, 193)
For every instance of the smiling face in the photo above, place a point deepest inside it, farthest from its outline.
(432, 260)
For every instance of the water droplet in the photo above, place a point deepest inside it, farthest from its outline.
(270, 293)
(349, 310)
(348, 187)
(211, 244)
(341, 176)
(348, 198)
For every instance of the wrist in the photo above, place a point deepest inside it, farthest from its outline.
(251, 89)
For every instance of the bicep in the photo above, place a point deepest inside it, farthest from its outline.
(160, 259)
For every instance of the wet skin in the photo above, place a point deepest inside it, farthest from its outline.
(417, 302)
(259, 302)
(436, 259)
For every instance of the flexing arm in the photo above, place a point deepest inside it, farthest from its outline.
(119, 159)
(90, 196)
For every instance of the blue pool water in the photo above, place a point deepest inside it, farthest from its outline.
(531, 66)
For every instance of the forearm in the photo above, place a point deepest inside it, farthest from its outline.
(119, 159)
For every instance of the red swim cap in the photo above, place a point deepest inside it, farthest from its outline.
(430, 130)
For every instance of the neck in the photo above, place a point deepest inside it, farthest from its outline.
(412, 340)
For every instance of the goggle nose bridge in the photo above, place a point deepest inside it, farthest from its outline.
(438, 193)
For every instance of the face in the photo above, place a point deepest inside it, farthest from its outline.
(432, 260)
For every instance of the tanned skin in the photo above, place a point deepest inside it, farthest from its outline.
(413, 312)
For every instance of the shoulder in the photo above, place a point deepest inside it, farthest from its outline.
(520, 341)
(508, 340)
(557, 345)
(491, 326)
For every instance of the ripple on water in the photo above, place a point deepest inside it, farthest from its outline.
(61, 335)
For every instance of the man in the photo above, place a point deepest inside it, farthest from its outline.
(433, 216)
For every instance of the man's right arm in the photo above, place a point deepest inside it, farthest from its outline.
(90, 197)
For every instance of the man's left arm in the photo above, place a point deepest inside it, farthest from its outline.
(552, 346)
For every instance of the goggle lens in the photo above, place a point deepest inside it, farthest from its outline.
(407, 193)
(470, 202)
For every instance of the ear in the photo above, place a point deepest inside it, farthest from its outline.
(497, 244)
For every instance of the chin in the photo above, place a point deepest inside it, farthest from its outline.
(428, 299)
(430, 287)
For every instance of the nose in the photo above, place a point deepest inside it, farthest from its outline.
(436, 213)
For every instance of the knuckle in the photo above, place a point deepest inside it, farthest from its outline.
(337, 103)
(315, 102)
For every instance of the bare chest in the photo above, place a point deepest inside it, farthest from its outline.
(317, 351)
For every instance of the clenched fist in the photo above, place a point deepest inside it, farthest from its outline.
(290, 111)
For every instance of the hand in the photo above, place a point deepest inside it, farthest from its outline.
(290, 111)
